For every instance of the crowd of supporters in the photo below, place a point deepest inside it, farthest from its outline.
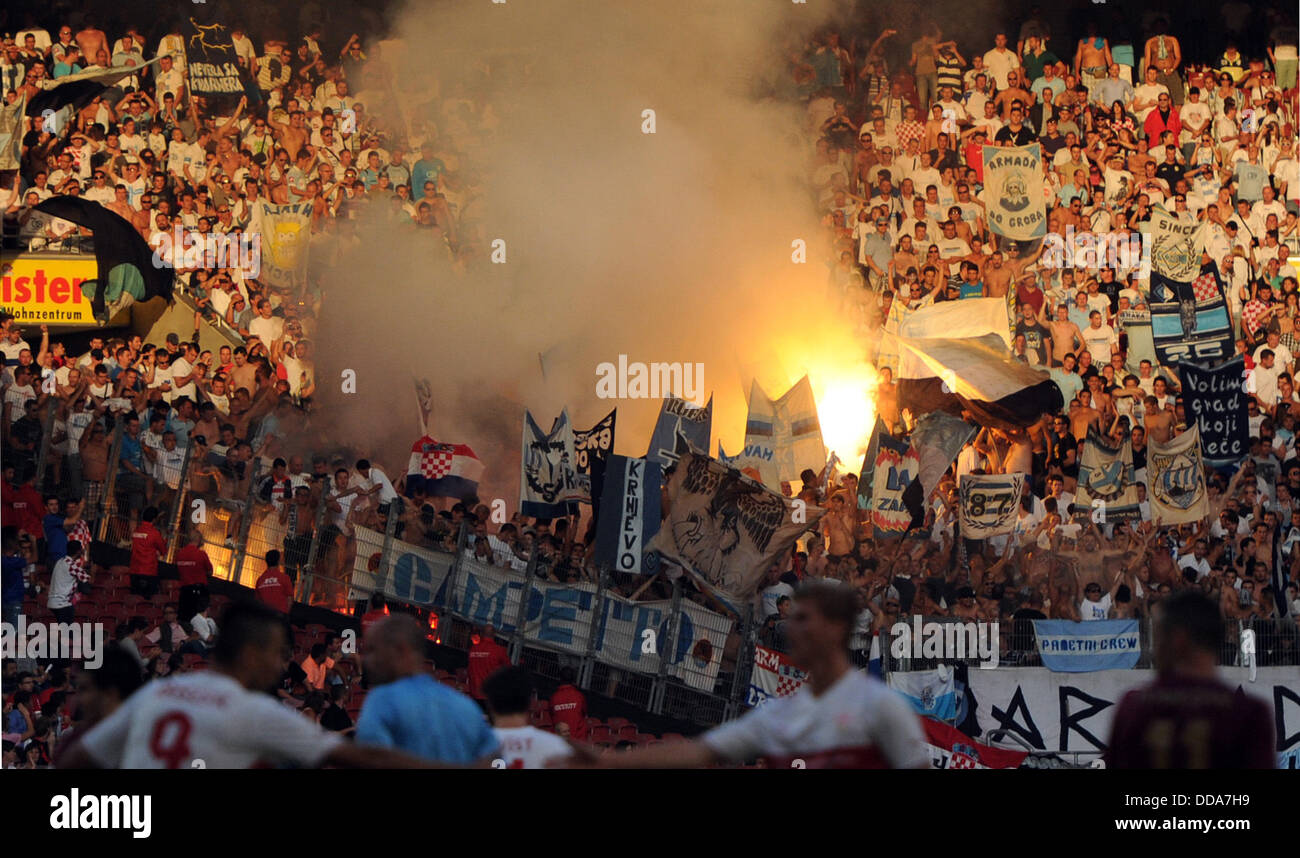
(895, 135)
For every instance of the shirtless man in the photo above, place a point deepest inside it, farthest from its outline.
(887, 398)
(839, 526)
(1013, 93)
(1091, 59)
(1164, 54)
(1083, 416)
(92, 41)
(1067, 339)
(120, 206)
(1020, 453)
(292, 136)
(1159, 422)
(997, 277)
(94, 463)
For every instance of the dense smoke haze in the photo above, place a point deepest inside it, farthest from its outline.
(673, 246)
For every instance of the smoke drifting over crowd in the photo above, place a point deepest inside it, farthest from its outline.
(673, 246)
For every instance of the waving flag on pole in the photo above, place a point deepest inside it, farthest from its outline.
(443, 470)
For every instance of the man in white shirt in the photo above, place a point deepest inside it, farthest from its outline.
(1099, 338)
(839, 718)
(1001, 60)
(266, 327)
(509, 694)
(372, 481)
(228, 719)
(1196, 559)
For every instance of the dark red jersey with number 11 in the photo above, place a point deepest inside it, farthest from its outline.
(1186, 723)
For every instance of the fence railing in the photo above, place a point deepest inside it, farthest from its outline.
(673, 657)
(1274, 642)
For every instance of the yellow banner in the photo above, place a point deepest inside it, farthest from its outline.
(46, 290)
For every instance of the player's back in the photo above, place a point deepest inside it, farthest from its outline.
(205, 720)
(856, 723)
(421, 716)
(1188, 723)
(529, 747)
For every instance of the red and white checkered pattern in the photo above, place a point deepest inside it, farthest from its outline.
(435, 464)
(1205, 287)
(788, 685)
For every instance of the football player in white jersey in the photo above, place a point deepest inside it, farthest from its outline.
(222, 718)
(840, 718)
(509, 692)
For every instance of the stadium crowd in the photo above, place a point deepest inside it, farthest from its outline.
(894, 133)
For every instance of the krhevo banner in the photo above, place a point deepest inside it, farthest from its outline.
(990, 503)
(1013, 198)
(629, 516)
(1070, 647)
(562, 616)
(1063, 712)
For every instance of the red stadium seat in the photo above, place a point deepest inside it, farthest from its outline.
(627, 731)
(539, 705)
(542, 719)
(642, 738)
(616, 723)
(599, 735)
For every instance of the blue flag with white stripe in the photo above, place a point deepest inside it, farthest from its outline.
(1069, 647)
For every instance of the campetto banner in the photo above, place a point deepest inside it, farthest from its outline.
(1013, 199)
(416, 574)
(990, 503)
(1062, 712)
(1069, 647)
(626, 634)
(774, 675)
(1176, 479)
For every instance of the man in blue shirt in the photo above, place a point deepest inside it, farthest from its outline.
(428, 169)
(410, 710)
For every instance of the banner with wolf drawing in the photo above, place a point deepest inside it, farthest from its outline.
(725, 529)
(284, 232)
(1013, 182)
(1106, 480)
(1176, 479)
(547, 479)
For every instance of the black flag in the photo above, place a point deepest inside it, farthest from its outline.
(116, 243)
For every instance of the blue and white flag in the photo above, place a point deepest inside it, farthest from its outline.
(932, 693)
(683, 427)
(1070, 647)
(629, 515)
(548, 478)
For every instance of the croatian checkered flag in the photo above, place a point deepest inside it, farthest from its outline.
(443, 470)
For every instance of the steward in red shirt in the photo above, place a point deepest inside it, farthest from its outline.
(486, 656)
(274, 588)
(194, 567)
(147, 546)
(569, 705)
